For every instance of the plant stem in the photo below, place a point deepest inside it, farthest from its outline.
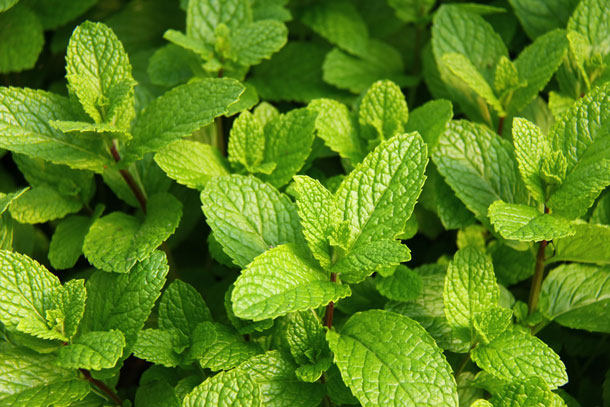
(500, 125)
(330, 308)
(220, 140)
(102, 386)
(538, 275)
(131, 182)
(462, 365)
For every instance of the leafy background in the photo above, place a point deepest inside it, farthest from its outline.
(348, 77)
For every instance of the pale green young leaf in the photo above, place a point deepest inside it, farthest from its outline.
(531, 392)
(479, 166)
(189, 44)
(334, 126)
(67, 242)
(403, 285)
(462, 68)
(181, 307)
(182, 110)
(248, 217)
(382, 370)
(357, 73)
(540, 16)
(72, 303)
(243, 326)
(247, 142)
(306, 340)
(531, 147)
(99, 74)
(536, 65)
(383, 112)
(319, 214)
(42, 204)
(411, 11)
(94, 350)
(288, 140)
(117, 241)
(516, 355)
(591, 20)
(232, 388)
(470, 288)
(6, 199)
(506, 78)
(21, 39)
(218, 347)
(588, 244)
(203, 16)
(582, 137)
(378, 196)
(258, 40)
(577, 296)
(160, 346)
(293, 74)
(265, 112)
(527, 224)
(490, 323)
(456, 30)
(340, 23)
(124, 301)
(191, 163)
(33, 379)
(83, 129)
(7, 4)
(280, 281)
(26, 130)
(364, 259)
(430, 120)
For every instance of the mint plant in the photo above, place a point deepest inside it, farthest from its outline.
(304, 203)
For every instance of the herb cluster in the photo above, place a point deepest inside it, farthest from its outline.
(304, 203)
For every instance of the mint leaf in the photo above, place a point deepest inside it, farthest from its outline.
(37, 381)
(334, 126)
(191, 163)
(117, 241)
(306, 340)
(203, 16)
(28, 132)
(411, 11)
(403, 285)
(21, 38)
(590, 20)
(93, 350)
(525, 393)
(383, 112)
(470, 288)
(527, 224)
(491, 323)
(217, 347)
(231, 388)
(181, 307)
(181, 111)
(247, 142)
(256, 41)
(319, 214)
(531, 147)
(577, 296)
(160, 346)
(378, 196)
(383, 373)
(243, 326)
(99, 74)
(586, 153)
(430, 120)
(248, 217)
(479, 166)
(540, 16)
(588, 244)
(124, 301)
(516, 355)
(67, 242)
(299, 285)
(42, 204)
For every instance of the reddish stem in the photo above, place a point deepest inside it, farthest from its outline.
(102, 386)
(538, 275)
(131, 182)
(500, 125)
(330, 308)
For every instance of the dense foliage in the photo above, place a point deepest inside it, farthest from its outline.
(304, 203)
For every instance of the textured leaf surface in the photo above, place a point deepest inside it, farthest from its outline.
(31, 379)
(181, 111)
(470, 287)
(319, 214)
(381, 356)
(160, 346)
(124, 301)
(531, 146)
(42, 204)
(24, 128)
(247, 142)
(248, 217)
(404, 285)
(430, 120)
(306, 340)
(117, 241)
(94, 350)
(532, 392)
(204, 16)
(517, 355)
(99, 73)
(491, 323)
(589, 244)
(527, 224)
(191, 163)
(540, 16)
(217, 347)
(383, 111)
(577, 296)
(67, 242)
(280, 281)
(21, 39)
(582, 136)
(479, 166)
(258, 40)
(181, 307)
(591, 20)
